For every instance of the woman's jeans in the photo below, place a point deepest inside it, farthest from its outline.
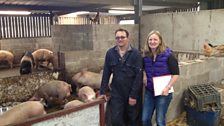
(158, 103)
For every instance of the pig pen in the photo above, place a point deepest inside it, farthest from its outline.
(194, 69)
(17, 89)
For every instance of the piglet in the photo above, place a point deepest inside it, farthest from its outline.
(86, 94)
(72, 103)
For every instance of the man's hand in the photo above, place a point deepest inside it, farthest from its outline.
(144, 79)
(132, 101)
(103, 97)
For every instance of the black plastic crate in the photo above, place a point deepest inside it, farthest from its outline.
(204, 97)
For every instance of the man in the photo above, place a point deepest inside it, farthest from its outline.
(125, 63)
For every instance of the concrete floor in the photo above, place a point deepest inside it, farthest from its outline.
(5, 71)
(8, 72)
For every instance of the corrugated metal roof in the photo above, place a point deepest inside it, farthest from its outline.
(83, 5)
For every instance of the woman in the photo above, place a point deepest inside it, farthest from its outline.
(158, 61)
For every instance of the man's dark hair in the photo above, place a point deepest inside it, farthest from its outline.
(124, 30)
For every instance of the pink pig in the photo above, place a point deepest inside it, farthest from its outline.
(22, 112)
(52, 91)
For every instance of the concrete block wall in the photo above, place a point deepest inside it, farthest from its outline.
(77, 60)
(104, 35)
(85, 46)
(192, 72)
(186, 31)
(89, 37)
(72, 37)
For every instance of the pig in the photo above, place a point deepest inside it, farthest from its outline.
(211, 50)
(22, 112)
(72, 103)
(88, 78)
(86, 94)
(26, 63)
(53, 92)
(7, 56)
(42, 55)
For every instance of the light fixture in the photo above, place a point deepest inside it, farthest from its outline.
(127, 22)
(75, 14)
(120, 12)
(15, 12)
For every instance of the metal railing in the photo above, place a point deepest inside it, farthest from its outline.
(64, 112)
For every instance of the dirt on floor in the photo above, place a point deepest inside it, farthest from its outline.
(180, 121)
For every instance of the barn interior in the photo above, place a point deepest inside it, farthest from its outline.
(80, 32)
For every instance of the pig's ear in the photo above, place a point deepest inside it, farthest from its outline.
(205, 46)
(70, 87)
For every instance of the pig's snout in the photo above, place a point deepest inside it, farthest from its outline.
(68, 94)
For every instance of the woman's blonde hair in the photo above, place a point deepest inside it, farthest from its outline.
(161, 48)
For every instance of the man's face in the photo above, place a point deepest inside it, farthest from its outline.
(121, 39)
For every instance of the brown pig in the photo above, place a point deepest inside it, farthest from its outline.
(7, 56)
(72, 103)
(22, 112)
(42, 55)
(88, 78)
(54, 91)
(86, 94)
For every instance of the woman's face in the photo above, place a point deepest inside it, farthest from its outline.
(153, 41)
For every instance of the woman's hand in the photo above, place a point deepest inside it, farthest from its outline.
(165, 91)
(167, 88)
